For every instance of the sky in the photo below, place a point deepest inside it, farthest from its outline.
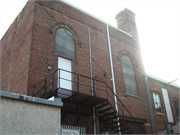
(158, 24)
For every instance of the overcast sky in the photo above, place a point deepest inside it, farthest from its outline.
(158, 24)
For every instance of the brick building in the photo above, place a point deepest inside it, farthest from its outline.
(165, 104)
(54, 49)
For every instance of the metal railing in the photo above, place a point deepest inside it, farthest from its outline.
(82, 84)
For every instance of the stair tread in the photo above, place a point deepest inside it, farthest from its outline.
(122, 129)
(115, 122)
(121, 125)
(101, 105)
(105, 110)
(108, 114)
(112, 118)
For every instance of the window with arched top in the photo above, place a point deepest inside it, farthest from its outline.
(129, 75)
(65, 43)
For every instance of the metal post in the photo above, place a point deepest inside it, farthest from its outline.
(93, 88)
(78, 82)
(107, 92)
(45, 87)
(59, 78)
(53, 81)
(33, 89)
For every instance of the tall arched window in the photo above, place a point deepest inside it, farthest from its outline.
(65, 43)
(129, 75)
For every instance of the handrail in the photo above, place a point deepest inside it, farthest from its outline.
(125, 108)
(109, 95)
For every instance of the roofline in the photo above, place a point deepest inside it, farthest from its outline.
(162, 81)
(69, 4)
(26, 98)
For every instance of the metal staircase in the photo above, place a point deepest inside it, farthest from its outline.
(103, 100)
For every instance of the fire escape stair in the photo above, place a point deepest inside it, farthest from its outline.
(108, 113)
(48, 94)
(104, 109)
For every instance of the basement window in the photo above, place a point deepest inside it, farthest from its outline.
(157, 102)
(129, 76)
(176, 102)
(65, 43)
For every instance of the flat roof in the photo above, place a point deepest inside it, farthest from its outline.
(162, 81)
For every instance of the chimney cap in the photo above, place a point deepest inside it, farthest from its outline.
(126, 10)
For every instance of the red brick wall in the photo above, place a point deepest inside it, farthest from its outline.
(173, 92)
(42, 53)
(15, 52)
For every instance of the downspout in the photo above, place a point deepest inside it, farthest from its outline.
(112, 70)
(150, 105)
(91, 77)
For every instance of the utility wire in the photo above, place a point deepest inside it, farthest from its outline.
(72, 38)
(3, 25)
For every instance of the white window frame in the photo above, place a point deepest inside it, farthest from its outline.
(157, 102)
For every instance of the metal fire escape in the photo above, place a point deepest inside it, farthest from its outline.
(80, 101)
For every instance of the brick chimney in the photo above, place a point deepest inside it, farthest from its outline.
(126, 21)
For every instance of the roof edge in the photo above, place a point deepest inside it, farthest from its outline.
(162, 81)
(69, 4)
(26, 98)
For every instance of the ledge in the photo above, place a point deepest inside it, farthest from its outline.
(160, 113)
(26, 98)
(132, 95)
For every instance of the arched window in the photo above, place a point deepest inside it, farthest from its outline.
(176, 102)
(65, 43)
(157, 102)
(129, 75)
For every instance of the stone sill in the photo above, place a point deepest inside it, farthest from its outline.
(160, 113)
(132, 95)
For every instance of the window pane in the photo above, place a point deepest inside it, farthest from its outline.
(129, 75)
(176, 106)
(64, 43)
(157, 102)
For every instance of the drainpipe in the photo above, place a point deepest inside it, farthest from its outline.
(91, 79)
(112, 70)
(150, 105)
